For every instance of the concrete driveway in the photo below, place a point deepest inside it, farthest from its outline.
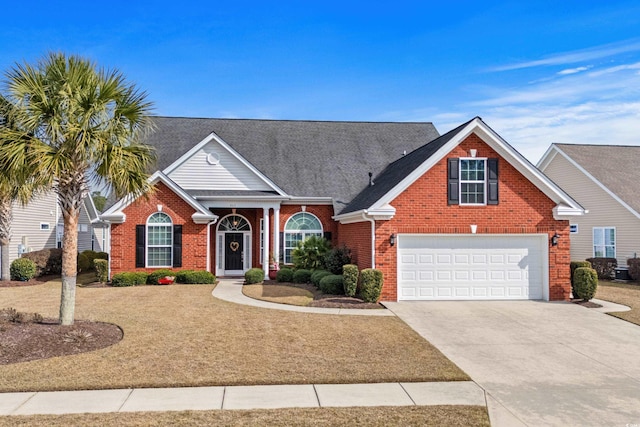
(540, 363)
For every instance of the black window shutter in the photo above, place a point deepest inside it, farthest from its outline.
(140, 245)
(453, 193)
(177, 245)
(281, 246)
(327, 235)
(492, 182)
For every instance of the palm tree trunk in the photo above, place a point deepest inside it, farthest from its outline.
(69, 265)
(6, 217)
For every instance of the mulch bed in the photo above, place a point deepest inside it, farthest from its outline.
(587, 304)
(328, 301)
(22, 342)
(35, 281)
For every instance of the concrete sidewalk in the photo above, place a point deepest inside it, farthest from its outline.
(231, 290)
(242, 397)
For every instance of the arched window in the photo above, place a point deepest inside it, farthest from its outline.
(159, 240)
(234, 223)
(297, 229)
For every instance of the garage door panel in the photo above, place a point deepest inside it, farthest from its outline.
(471, 266)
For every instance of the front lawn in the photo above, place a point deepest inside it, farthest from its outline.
(375, 416)
(621, 293)
(180, 335)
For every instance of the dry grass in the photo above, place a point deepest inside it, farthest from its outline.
(182, 336)
(622, 293)
(277, 293)
(376, 416)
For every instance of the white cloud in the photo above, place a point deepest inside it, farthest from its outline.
(575, 56)
(574, 70)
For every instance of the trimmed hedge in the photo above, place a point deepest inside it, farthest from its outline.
(284, 275)
(572, 266)
(586, 282)
(84, 264)
(91, 255)
(350, 274)
(102, 255)
(302, 276)
(332, 284)
(317, 276)
(129, 279)
(605, 267)
(634, 268)
(370, 284)
(22, 269)
(254, 275)
(48, 261)
(195, 277)
(152, 278)
(101, 267)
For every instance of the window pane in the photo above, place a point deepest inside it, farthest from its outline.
(159, 218)
(159, 257)
(610, 251)
(303, 221)
(598, 236)
(472, 193)
(598, 251)
(159, 235)
(609, 236)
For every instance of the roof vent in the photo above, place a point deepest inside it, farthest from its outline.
(370, 179)
(404, 153)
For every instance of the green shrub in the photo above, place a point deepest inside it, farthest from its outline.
(102, 255)
(254, 275)
(336, 258)
(605, 267)
(129, 279)
(302, 276)
(634, 268)
(22, 269)
(309, 255)
(83, 263)
(350, 275)
(48, 261)
(284, 275)
(370, 284)
(586, 282)
(91, 255)
(317, 276)
(101, 267)
(573, 265)
(195, 277)
(332, 284)
(152, 278)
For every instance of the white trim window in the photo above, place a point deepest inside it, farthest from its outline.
(473, 181)
(159, 240)
(44, 226)
(604, 242)
(297, 229)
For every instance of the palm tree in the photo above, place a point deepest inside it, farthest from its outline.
(76, 123)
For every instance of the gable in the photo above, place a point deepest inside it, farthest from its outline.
(426, 198)
(213, 167)
(424, 159)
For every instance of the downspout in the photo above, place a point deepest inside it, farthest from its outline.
(373, 239)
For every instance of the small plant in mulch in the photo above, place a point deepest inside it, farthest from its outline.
(78, 336)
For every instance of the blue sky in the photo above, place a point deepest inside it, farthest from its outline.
(537, 72)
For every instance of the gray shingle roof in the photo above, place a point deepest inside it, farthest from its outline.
(617, 167)
(397, 171)
(304, 158)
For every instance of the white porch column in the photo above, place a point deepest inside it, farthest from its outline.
(276, 234)
(265, 237)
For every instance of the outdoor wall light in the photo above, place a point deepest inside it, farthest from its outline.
(392, 239)
(554, 239)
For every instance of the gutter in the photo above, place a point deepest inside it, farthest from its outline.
(373, 238)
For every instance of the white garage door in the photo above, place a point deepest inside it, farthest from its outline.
(468, 267)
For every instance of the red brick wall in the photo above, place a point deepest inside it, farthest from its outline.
(357, 237)
(522, 209)
(123, 236)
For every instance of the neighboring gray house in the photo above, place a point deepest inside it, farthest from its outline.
(604, 180)
(92, 234)
(38, 225)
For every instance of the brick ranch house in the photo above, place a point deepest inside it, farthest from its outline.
(457, 216)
